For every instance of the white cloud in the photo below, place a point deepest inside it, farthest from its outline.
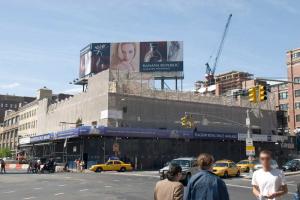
(9, 85)
(73, 90)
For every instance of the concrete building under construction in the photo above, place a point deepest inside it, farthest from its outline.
(130, 113)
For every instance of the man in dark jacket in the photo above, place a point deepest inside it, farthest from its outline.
(205, 185)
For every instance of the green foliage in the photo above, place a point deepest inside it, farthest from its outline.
(5, 152)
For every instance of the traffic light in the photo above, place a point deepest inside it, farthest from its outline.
(187, 121)
(262, 93)
(252, 95)
(184, 121)
(190, 123)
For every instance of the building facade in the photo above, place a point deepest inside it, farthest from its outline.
(11, 102)
(110, 103)
(133, 116)
(233, 80)
(293, 91)
(9, 134)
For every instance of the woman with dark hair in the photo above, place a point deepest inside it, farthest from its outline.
(170, 188)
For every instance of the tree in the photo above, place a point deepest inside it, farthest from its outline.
(5, 152)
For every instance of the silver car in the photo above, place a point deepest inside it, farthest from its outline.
(257, 165)
(188, 165)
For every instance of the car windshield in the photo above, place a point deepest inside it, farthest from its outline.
(182, 163)
(291, 162)
(243, 162)
(220, 165)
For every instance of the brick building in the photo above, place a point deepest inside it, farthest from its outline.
(11, 102)
(293, 91)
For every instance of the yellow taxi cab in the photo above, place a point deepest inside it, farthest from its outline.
(226, 168)
(246, 165)
(112, 165)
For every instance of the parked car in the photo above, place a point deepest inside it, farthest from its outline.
(292, 165)
(257, 165)
(226, 168)
(188, 165)
(112, 165)
(246, 165)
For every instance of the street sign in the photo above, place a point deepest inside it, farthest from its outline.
(250, 150)
(247, 121)
(249, 142)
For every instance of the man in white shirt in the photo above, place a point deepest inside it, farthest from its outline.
(268, 183)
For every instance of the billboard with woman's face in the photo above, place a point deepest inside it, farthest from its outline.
(125, 56)
(132, 56)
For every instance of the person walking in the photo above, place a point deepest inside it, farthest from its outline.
(170, 188)
(268, 183)
(2, 163)
(82, 165)
(205, 185)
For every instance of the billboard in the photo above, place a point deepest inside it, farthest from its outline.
(165, 56)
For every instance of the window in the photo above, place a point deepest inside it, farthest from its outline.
(297, 105)
(297, 93)
(283, 95)
(297, 79)
(297, 118)
(296, 55)
(117, 163)
(285, 106)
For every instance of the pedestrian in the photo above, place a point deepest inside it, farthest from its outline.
(170, 188)
(2, 162)
(205, 185)
(268, 183)
(77, 163)
(297, 194)
(82, 165)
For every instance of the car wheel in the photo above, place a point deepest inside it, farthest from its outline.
(99, 169)
(225, 174)
(123, 169)
(238, 174)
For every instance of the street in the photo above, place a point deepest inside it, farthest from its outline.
(104, 186)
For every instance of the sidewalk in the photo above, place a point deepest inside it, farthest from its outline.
(249, 176)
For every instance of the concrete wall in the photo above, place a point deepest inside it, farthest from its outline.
(87, 106)
(165, 114)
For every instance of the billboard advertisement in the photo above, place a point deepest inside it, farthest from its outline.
(165, 56)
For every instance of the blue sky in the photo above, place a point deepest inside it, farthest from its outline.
(40, 40)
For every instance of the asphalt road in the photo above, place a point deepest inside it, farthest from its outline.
(104, 186)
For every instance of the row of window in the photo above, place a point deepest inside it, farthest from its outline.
(8, 145)
(28, 114)
(7, 105)
(11, 121)
(6, 136)
(28, 125)
(296, 55)
(286, 106)
(284, 95)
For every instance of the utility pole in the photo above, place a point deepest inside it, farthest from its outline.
(250, 149)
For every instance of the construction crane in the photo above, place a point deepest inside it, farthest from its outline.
(210, 71)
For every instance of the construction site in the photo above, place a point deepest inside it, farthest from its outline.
(120, 111)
